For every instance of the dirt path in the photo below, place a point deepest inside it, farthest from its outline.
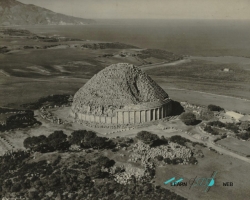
(4, 146)
(195, 130)
(219, 149)
(164, 64)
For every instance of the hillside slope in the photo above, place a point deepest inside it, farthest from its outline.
(13, 12)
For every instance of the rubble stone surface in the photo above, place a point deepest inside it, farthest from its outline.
(113, 88)
(120, 94)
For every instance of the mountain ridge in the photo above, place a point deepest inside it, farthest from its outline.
(13, 12)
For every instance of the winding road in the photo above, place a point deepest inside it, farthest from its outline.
(164, 64)
(209, 143)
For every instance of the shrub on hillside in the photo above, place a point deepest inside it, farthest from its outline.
(188, 118)
(58, 100)
(31, 142)
(89, 139)
(232, 127)
(21, 120)
(179, 140)
(206, 114)
(167, 160)
(77, 137)
(105, 161)
(244, 136)
(193, 160)
(147, 137)
(159, 158)
(212, 107)
(209, 129)
(245, 125)
(55, 141)
(216, 123)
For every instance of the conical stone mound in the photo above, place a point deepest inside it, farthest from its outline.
(120, 94)
(115, 87)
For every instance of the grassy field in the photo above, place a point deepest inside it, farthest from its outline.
(207, 76)
(201, 98)
(228, 168)
(236, 145)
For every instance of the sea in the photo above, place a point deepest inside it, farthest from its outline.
(185, 37)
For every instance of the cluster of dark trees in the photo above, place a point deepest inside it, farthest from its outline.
(147, 137)
(182, 141)
(153, 139)
(244, 136)
(212, 107)
(177, 161)
(216, 123)
(150, 138)
(206, 114)
(21, 120)
(193, 160)
(58, 100)
(230, 126)
(234, 127)
(179, 140)
(211, 130)
(188, 118)
(160, 54)
(174, 161)
(89, 139)
(222, 137)
(245, 125)
(33, 180)
(55, 141)
(59, 141)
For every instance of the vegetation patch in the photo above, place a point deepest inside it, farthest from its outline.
(52, 100)
(215, 108)
(160, 54)
(85, 174)
(188, 118)
(22, 119)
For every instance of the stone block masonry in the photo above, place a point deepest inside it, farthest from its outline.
(129, 116)
(120, 95)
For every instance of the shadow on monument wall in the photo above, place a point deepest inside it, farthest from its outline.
(177, 108)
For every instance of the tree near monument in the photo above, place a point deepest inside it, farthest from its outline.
(188, 118)
(214, 108)
(147, 137)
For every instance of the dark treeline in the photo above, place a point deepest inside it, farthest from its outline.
(21, 120)
(58, 100)
(75, 177)
(59, 141)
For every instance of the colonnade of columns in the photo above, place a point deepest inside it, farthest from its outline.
(130, 117)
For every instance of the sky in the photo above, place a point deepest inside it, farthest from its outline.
(149, 9)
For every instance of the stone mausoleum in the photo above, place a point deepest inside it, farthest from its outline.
(120, 94)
